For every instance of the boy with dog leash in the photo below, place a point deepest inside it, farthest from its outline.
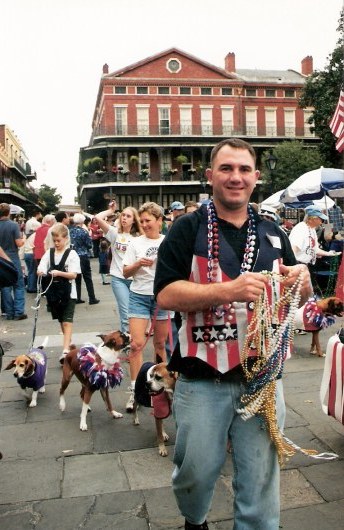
(229, 256)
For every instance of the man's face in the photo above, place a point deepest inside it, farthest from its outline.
(233, 177)
(177, 213)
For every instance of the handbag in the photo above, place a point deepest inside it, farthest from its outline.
(8, 273)
(332, 384)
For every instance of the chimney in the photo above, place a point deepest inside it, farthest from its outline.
(230, 62)
(307, 65)
(105, 69)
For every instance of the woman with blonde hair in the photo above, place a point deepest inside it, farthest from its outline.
(120, 236)
(140, 264)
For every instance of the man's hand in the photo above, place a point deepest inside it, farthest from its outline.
(292, 273)
(246, 287)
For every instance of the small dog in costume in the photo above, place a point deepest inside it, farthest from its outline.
(97, 368)
(30, 371)
(154, 387)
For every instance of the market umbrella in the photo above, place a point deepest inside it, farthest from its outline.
(15, 209)
(275, 201)
(314, 185)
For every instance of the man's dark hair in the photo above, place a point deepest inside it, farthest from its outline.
(236, 143)
(59, 216)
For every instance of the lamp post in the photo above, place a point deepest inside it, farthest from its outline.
(271, 163)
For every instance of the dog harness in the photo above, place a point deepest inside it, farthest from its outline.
(220, 341)
(160, 402)
(36, 379)
(98, 374)
(310, 317)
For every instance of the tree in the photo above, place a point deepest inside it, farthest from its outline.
(293, 159)
(321, 91)
(49, 199)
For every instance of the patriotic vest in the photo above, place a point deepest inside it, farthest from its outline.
(218, 344)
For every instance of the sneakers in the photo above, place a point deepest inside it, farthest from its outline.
(130, 403)
(189, 526)
(93, 302)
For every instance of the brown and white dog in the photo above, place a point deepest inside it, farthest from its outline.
(316, 315)
(30, 371)
(97, 368)
(155, 387)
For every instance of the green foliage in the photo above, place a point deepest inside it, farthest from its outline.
(293, 159)
(321, 91)
(93, 164)
(49, 199)
(19, 189)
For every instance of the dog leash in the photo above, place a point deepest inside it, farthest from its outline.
(36, 307)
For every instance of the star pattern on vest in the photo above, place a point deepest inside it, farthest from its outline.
(214, 333)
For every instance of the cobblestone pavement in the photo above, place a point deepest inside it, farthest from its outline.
(54, 476)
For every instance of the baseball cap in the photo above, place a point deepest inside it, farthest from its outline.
(176, 205)
(268, 211)
(313, 211)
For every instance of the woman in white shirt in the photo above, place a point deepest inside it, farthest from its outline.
(119, 237)
(140, 263)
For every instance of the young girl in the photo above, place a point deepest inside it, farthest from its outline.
(127, 228)
(140, 263)
(63, 313)
(103, 253)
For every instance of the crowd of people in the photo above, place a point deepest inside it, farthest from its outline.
(201, 261)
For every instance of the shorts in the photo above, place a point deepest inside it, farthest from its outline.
(143, 306)
(63, 313)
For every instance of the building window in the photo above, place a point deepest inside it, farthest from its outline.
(164, 120)
(120, 121)
(251, 122)
(142, 90)
(120, 89)
(185, 120)
(206, 121)
(307, 126)
(174, 65)
(185, 90)
(142, 121)
(227, 121)
(163, 90)
(143, 160)
(270, 93)
(289, 93)
(226, 91)
(270, 122)
(289, 122)
(251, 92)
(205, 91)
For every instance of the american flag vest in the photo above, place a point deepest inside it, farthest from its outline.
(224, 343)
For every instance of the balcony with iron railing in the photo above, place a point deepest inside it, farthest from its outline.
(205, 130)
(107, 177)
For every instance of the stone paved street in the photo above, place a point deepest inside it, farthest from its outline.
(54, 476)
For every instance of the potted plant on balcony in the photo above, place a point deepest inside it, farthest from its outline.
(145, 174)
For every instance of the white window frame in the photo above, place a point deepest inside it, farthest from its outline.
(185, 118)
(164, 120)
(142, 120)
(270, 121)
(306, 115)
(121, 120)
(251, 121)
(206, 120)
(289, 122)
(227, 112)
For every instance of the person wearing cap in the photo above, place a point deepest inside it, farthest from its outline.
(304, 240)
(177, 209)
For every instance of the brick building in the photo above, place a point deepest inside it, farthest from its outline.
(156, 121)
(15, 172)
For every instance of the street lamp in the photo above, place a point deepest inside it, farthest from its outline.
(271, 163)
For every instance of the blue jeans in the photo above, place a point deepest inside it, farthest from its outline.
(31, 272)
(206, 417)
(120, 288)
(13, 298)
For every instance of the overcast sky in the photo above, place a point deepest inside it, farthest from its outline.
(52, 53)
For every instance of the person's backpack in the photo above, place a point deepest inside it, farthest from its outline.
(59, 290)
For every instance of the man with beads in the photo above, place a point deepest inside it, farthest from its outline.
(214, 283)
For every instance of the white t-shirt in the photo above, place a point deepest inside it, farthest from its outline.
(305, 239)
(119, 244)
(143, 247)
(72, 265)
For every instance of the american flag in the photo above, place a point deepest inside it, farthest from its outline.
(337, 123)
